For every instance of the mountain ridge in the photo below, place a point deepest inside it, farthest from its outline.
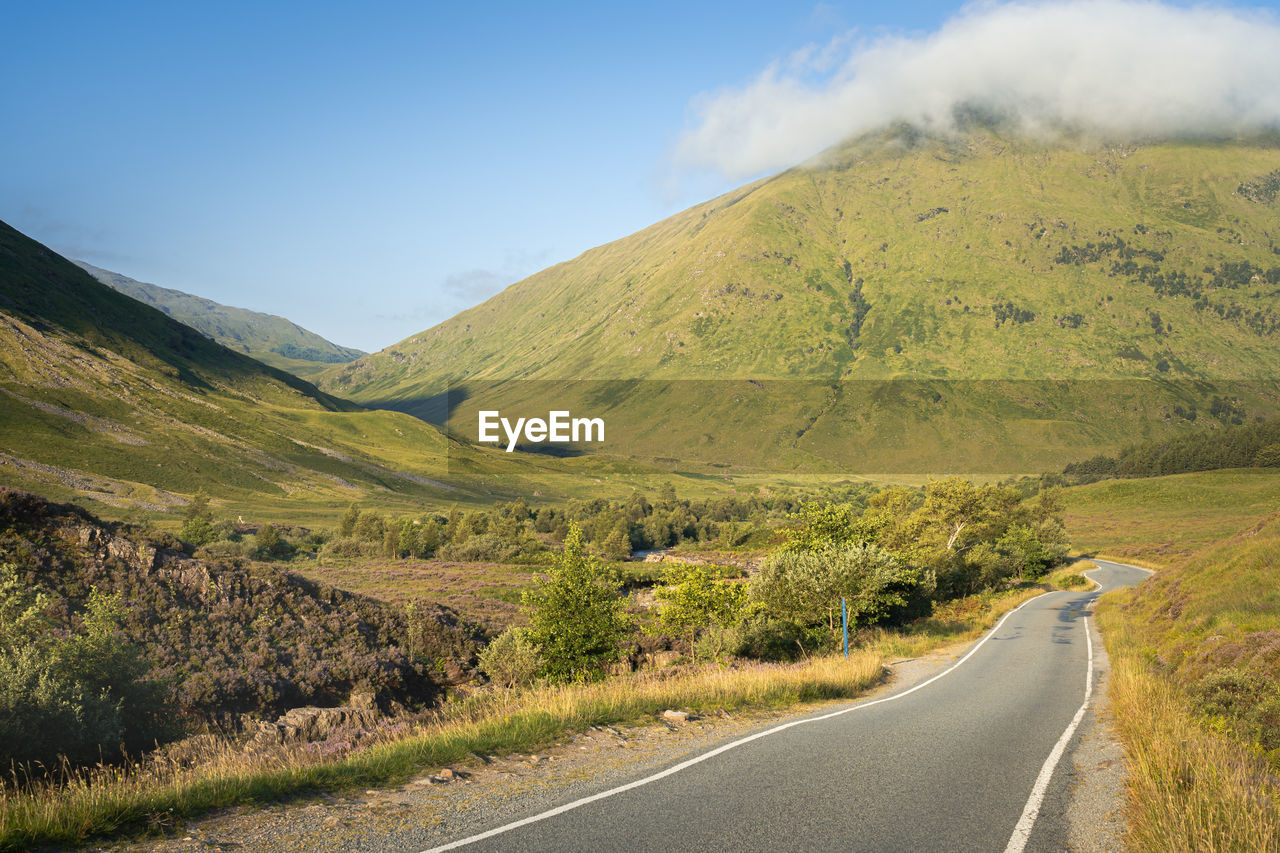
(269, 338)
(902, 258)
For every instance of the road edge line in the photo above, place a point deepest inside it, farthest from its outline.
(698, 759)
(1022, 830)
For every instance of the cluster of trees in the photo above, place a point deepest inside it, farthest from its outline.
(1235, 445)
(516, 532)
(890, 557)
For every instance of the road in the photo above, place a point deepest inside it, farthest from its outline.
(950, 764)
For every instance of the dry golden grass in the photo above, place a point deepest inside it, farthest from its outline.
(105, 800)
(1188, 789)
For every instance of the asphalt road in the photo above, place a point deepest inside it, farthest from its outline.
(948, 765)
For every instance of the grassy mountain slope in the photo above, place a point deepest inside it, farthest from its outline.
(918, 287)
(109, 401)
(266, 337)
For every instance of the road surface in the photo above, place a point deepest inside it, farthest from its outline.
(974, 759)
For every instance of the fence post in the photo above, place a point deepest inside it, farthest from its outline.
(844, 621)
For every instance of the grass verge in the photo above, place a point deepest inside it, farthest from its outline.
(107, 800)
(1195, 653)
(1189, 788)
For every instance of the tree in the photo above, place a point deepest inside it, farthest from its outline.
(269, 542)
(805, 587)
(696, 599)
(197, 526)
(617, 545)
(74, 693)
(575, 613)
(347, 527)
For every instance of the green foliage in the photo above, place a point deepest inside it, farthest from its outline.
(197, 525)
(512, 659)
(575, 614)
(347, 527)
(697, 600)
(805, 587)
(1030, 557)
(1232, 444)
(82, 694)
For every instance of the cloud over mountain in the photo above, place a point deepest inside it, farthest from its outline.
(1119, 68)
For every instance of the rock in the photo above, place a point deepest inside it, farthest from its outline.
(309, 724)
(447, 775)
(365, 700)
(675, 716)
(657, 660)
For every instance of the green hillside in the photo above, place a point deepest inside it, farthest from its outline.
(902, 304)
(266, 337)
(111, 403)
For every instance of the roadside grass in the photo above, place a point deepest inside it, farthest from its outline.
(152, 794)
(1196, 657)
(1188, 788)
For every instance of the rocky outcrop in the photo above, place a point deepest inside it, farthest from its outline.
(311, 725)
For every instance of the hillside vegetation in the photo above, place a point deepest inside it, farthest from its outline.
(270, 339)
(947, 304)
(224, 639)
(111, 402)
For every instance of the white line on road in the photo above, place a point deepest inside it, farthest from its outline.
(1022, 832)
(684, 765)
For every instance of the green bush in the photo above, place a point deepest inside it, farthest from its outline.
(513, 659)
(483, 547)
(575, 614)
(197, 526)
(804, 587)
(349, 547)
(83, 695)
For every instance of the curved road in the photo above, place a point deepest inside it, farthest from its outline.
(948, 765)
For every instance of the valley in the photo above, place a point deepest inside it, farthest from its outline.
(920, 375)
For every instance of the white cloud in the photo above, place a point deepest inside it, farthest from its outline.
(1123, 69)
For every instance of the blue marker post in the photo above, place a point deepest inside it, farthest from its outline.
(844, 620)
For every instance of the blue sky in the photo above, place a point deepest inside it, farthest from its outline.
(368, 170)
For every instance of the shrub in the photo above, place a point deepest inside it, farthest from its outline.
(805, 587)
(348, 547)
(197, 526)
(575, 614)
(83, 695)
(483, 547)
(513, 659)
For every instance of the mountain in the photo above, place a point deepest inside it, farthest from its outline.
(114, 404)
(905, 302)
(266, 337)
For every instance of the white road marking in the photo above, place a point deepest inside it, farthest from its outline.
(1022, 832)
(684, 765)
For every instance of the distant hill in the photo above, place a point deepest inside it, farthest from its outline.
(266, 337)
(105, 398)
(904, 303)
(108, 401)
